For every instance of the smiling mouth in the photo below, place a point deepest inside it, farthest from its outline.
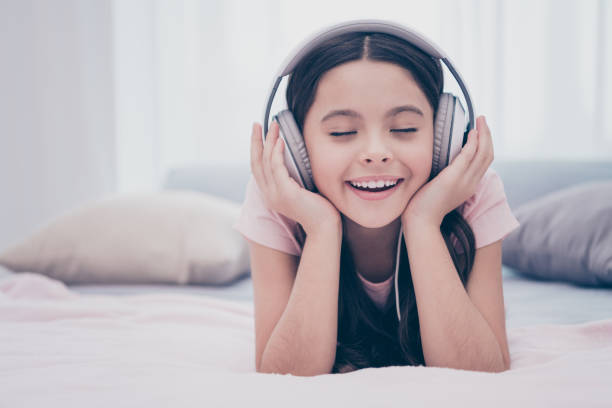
(377, 189)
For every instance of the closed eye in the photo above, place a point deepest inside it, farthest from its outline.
(342, 133)
(407, 130)
(404, 130)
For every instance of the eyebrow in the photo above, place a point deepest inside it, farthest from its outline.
(353, 114)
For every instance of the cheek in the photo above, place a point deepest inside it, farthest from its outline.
(418, 157)
(327, 167)
(427, 158)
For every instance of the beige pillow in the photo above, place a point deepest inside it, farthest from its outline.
(162, 237)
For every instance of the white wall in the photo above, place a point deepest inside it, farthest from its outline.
(101, 96)
(56, 110)
(193, 75)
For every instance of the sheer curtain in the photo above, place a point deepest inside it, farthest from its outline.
(56, 110)
(192, 76)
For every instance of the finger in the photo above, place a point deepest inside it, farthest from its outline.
(267, 156)
(488, 139)
(485, 145)
(469, 150)
(279, 169)
(256, 155)
(484, 156)
(465, 159)
(266, 146)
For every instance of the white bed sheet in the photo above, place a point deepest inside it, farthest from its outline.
(70, 349)
(527, 301)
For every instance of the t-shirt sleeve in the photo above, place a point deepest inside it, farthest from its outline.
(488, 211)
(266, 227)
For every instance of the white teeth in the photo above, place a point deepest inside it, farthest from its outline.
(374, 184)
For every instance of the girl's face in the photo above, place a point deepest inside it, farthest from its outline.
(361, 97)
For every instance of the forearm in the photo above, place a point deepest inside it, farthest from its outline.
(454, 333)
(304, 339)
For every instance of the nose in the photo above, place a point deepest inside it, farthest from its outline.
(375, 157)
(376, 152)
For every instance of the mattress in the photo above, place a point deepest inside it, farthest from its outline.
(527, 301)
(193, 346)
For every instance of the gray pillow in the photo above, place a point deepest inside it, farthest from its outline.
(565, 236)
(175, 237)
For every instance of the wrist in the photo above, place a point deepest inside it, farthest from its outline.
(413, 224)
(416, 231)
(417, 221)
(325, 226)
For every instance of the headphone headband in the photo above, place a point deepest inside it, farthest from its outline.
(368, 25)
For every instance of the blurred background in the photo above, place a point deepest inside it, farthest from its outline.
(102, 97)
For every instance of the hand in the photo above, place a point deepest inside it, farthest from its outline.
(281, 192)
(455, 183)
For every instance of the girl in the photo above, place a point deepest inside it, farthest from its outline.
(365, 104)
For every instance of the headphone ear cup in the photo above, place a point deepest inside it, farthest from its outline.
(449, 132)
(296, 156)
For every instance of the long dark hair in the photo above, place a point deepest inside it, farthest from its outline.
(367, 335)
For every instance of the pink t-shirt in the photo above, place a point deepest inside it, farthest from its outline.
(487, 212)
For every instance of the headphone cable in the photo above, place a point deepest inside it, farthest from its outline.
(397, 259)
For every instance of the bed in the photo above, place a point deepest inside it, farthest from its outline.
(193, 345)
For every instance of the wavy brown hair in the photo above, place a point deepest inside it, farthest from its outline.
(369, 336)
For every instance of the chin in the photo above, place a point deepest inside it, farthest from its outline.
(373, 222)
